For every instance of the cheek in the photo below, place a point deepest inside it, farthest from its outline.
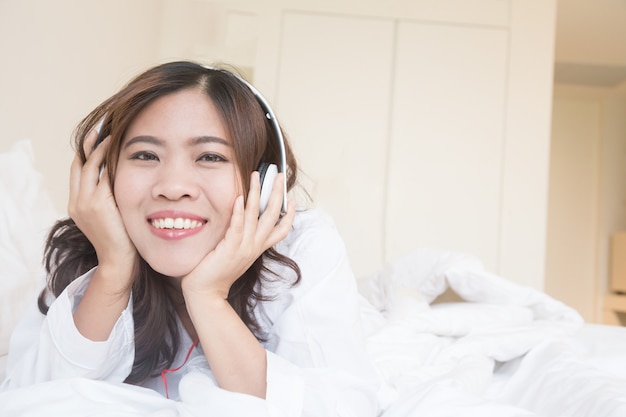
(221, 195)
(222, 190)
(127, 190)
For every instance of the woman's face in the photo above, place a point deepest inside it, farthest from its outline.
(176, 181)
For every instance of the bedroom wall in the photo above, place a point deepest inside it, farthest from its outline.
(587, 200)
(573, 202)
(59, 60)
(90, 54)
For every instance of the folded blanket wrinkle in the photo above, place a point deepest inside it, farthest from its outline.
(457, 349)
(429, 273)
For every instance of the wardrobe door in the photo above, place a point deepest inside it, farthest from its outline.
(448, 118)
(339, 127)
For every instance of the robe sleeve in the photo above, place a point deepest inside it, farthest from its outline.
(317, 363)
(50, 347)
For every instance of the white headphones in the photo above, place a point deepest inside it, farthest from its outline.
(267, 171)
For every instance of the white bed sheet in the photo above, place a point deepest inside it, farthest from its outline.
(3, 364)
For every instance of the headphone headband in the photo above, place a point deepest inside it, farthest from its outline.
(269, 114)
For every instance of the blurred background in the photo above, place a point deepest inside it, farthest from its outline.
(495, 127)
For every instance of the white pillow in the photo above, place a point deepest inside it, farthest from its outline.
(26, 214)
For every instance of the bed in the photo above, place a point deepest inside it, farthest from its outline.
(447, 336)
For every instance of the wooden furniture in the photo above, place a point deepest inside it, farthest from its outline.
(618, 263)
(614, 304)
(614, 309)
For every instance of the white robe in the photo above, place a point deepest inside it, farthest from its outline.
(317, 364)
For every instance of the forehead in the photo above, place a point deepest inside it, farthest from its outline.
(181, 115)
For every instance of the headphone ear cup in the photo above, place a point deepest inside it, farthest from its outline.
(267, 175)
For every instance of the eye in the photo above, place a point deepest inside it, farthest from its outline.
(211, 157)
(144, 156)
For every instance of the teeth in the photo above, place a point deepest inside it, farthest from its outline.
(177, 223)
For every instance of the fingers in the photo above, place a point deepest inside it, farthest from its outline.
(90, 173)
(77, 164)
(282, 228)
(275, 204)
(271, 227)
(237, 224)
(252, 233)
(90, 142)
(84, 177)
(253, 201)
(75, 173)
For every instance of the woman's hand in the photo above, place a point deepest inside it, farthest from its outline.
(246, 238)
(235, 356)
(93, 209)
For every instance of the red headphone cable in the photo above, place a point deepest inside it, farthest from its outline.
(167, 371)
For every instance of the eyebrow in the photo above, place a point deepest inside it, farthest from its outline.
(158, 142)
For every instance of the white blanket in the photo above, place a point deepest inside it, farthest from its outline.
(505, 350)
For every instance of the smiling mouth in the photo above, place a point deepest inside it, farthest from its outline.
(178, 223)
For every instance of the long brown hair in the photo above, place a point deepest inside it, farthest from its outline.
(69, 254)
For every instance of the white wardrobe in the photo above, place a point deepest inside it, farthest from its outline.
(426, 124)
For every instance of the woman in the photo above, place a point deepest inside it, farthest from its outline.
(165, 266)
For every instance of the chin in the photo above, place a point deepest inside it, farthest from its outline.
(171, 269)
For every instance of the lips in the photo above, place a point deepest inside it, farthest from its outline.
(175, 225)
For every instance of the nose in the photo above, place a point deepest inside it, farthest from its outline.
(175, 181)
